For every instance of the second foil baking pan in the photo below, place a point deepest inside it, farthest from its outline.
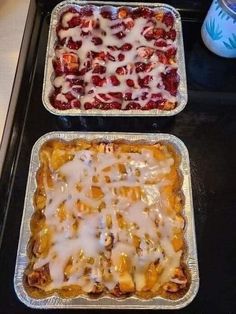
(182, 95)
(132, 302)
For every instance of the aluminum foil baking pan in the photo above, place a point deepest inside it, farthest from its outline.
(108, 302)
(182, 95)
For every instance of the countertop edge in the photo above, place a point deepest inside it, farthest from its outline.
(15, 88)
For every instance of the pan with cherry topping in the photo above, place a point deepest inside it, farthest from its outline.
(115, 60)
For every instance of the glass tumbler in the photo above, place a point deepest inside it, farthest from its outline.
(219, 28)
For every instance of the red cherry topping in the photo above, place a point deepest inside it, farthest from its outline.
(133, 105)
(75, 21)
(61, 105)
(88, 105)
(145, 81)
(76, 103)
(130, 83)
(171, 81)
(99, 69)
(142, 12)
(168, 19)
(140, 67)
(171, 34)
(171, 52)
(102, 65)
(98, 81)
(74, 45)
(128, 96)
(121, 57)
(97, 41)
(116, 95)
(111, 57)
(160, 43)
(120, 35)
(107, 15)
(114, 80)
(126, 47)
(162, 57)
(86, 11)
(121, 70)
(115, 105)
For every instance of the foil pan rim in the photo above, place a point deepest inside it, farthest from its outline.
(182, 97)
(107, 302)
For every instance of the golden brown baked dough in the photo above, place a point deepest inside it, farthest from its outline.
(108, 220)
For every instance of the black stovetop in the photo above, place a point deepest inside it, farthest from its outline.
(207, 126)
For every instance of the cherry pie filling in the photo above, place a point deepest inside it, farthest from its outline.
(123, 59)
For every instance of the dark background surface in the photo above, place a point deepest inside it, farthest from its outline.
(207, 126)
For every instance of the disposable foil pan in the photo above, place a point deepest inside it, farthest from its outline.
(182, 95)
(107, 301)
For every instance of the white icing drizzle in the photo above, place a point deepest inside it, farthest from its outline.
(139, 208)
(107, 32)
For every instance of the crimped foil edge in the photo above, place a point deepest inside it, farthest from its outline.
(107, 302)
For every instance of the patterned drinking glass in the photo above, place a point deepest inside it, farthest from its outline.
(219, 28)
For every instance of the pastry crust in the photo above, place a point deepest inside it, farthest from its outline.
(108, 221)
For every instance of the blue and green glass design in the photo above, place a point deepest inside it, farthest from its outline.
(222, 14)
(213, 29)
(231, 44)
